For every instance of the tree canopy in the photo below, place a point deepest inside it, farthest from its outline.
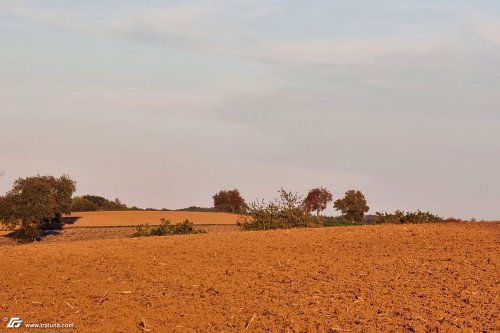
(89, 203)
(229, 201)
(34, 201)
(317, 200)
(353, 206)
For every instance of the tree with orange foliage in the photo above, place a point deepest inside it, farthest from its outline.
(353, 206)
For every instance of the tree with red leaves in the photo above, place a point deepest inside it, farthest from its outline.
(230, 201)
(317, 200)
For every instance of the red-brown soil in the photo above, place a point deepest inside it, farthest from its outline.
(390, 278)
(130, 218)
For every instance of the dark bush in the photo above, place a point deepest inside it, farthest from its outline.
(27, 234)
(79, 204)
(89, 203)
(198, 209)
(400, 217)
(333, 221)
(230, 201)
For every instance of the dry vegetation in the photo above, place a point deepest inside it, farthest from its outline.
(384, 278)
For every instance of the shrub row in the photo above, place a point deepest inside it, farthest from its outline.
(166, 228)
(405, 217)
(89, 203)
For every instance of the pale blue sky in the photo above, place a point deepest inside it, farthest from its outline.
(163, 103)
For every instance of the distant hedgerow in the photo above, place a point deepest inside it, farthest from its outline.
(89, 203)
(166, 228)
(405, 217)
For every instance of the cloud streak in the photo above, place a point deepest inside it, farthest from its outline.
(488, 30)
(198, 27)
(142, 101)
(53, 18)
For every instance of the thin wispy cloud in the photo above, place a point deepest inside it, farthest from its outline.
(488, 30)
(59, 19)
(338, 52)
(198, 27)
(191, 21)
(141, 101)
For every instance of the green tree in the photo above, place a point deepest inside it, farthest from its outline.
(229, 201)
(88, 203)
(80, 204)
(353, 206)
(36, 202)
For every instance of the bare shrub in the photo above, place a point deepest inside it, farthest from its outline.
(287, 211)
(166, 228)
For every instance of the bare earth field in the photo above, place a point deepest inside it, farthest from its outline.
(130, 218)
(389, 278)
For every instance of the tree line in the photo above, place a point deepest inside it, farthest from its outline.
(88, 203)
(39, 202)
(353, 205)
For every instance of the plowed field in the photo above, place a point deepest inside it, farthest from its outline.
(391, 278)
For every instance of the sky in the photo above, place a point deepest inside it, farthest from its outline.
(164, 103)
